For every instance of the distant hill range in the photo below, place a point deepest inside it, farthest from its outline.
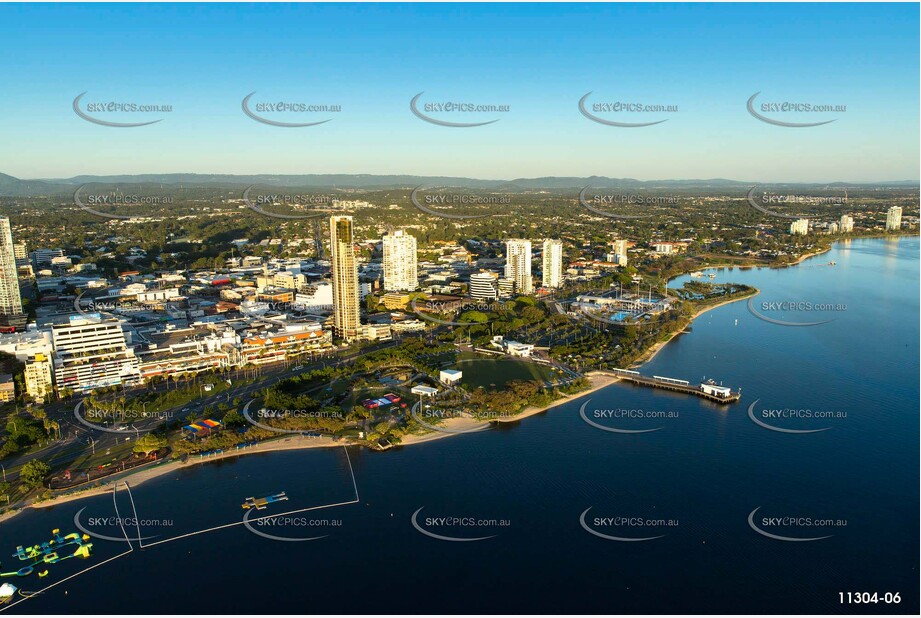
(15, 187)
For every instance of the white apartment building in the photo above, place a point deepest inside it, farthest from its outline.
(518, 264)
(894, 218)
(619, 255)
(484, 286)
(800, 227)
(400, 269)
(846, 225)
(552, 264)
(10, 298)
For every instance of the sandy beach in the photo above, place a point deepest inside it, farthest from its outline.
(458, 425)
(597, 381)
(154, 471)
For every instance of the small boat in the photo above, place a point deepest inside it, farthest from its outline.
(43, 573)
(261, 503)
(712, 276)
(697, 273)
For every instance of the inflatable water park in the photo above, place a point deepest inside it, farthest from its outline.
(60, 547)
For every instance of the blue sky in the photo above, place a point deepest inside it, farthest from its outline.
(371, 59)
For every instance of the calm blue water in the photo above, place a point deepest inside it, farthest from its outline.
(705, 470)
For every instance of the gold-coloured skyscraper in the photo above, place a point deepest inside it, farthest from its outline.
(346, 321)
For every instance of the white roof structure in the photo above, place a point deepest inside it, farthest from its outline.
(450, 375)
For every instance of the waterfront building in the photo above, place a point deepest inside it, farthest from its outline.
(894, 219)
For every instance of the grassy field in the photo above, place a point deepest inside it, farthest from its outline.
(494, 373)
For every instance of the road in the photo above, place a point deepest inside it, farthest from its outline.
(79, 440)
